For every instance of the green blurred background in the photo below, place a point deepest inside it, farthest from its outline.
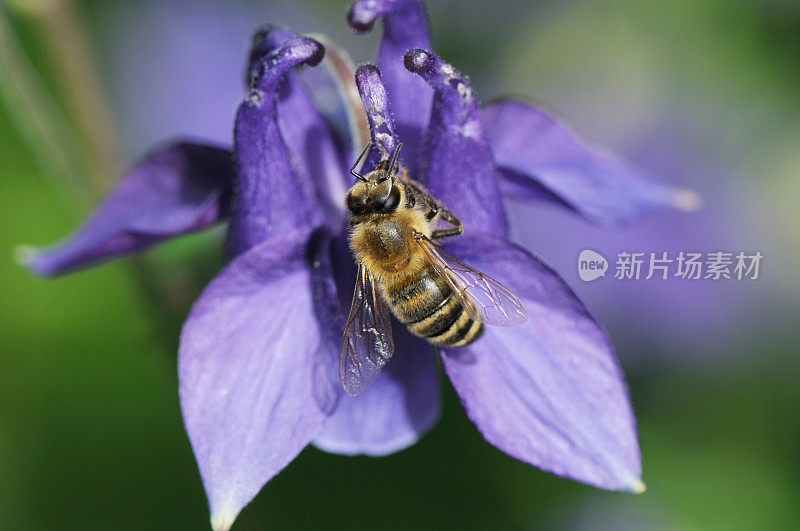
(90, 428)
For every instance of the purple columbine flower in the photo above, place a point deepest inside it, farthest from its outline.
(258, 352)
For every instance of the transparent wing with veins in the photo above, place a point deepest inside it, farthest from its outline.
(367, 343)
(484, 298)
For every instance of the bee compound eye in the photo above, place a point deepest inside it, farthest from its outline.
(391, 201)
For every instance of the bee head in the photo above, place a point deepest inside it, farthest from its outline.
(376, 193)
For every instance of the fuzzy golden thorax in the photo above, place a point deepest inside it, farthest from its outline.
(381, 238)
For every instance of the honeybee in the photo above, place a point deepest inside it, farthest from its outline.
(393, 221)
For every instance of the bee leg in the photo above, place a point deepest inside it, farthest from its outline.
(447, 216)
(444, 233)
(435, 210)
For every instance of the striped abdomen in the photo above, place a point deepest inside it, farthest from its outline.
(425, 303)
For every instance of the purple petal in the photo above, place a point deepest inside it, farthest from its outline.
(405, 26)
(315, 153)
(460, 171)
(379, 114)
(394, 411)
(402, 403)
(535, 151)
(270, 196)
(179, 188)
(248, 386)
(548, 392)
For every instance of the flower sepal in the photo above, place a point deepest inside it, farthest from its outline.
(179, 188)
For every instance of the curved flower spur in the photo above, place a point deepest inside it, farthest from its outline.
(259, 349)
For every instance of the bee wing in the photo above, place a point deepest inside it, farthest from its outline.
(484, 298)
(367, 343)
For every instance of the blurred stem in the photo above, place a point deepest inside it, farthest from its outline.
(343, 72)
(65, 42)
(54, 137)
(36, 115)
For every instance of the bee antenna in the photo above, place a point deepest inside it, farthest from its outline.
(392, 168)
(353, 169)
